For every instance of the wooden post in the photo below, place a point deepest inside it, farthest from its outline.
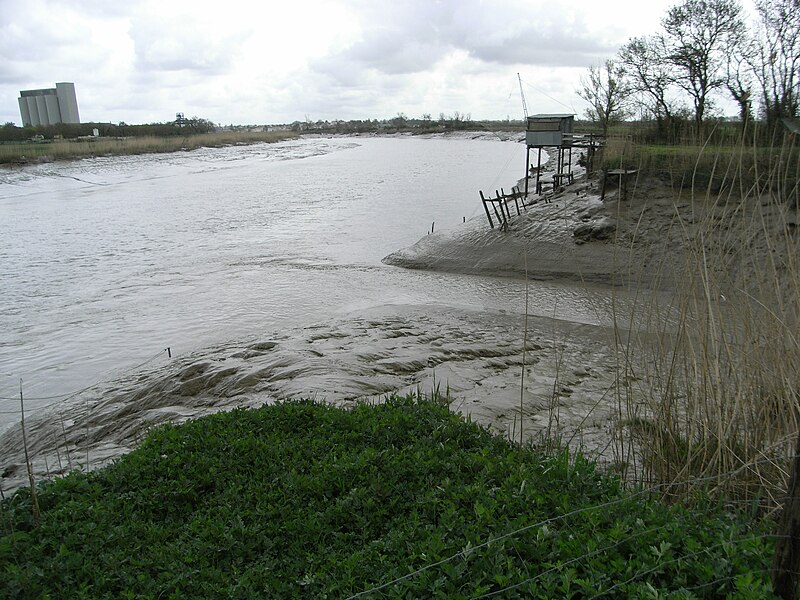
(527, 167)
(786, 562)
(518, 195)
(604, 175)
(501, 216)
(538, 169)
(503, 201)
(569, 165)
(511, 196)
(498, 201)
(488, 216)
(34, 499)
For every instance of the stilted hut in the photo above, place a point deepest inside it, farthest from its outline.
(551, 131)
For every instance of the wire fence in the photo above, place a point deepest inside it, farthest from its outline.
(59, 398)
(563, 519)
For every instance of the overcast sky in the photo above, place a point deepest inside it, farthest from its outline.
(243, 62)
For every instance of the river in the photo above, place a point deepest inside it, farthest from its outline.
(107, 262)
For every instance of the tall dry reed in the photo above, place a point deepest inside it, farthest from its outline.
(709, 382)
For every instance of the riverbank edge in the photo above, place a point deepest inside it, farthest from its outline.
(124, 146)
(569, 234)
(405, 479)
(21, 154)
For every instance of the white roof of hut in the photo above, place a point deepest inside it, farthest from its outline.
(551, 116)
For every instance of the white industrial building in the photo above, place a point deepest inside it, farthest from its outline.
(49, 106)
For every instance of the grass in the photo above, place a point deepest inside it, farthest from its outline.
(304, 500)
(87, 147)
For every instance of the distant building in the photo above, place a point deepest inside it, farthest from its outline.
(49, 106)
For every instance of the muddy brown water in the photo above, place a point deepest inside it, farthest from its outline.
(232, 258)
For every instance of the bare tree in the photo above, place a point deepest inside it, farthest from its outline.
(777, 67)
(650, 77)
(739, 79)
(607, 93)
(697, 34)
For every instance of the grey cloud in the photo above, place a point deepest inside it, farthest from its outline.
(398, 38)
(13, 73)
(153, 58)
(393, 53)
(104, 8)
(32, 38)
(45, 43)
(557, 48)
(165, 46)
(325, 97)
(405, 38)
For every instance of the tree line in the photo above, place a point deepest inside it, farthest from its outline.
(188, 126)
(194, 125)
(706, 50)
(424, 124)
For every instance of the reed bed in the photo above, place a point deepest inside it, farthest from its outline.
(87, 147)
(709, 384)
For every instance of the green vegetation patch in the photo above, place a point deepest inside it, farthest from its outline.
(305, 500)
(708, 167)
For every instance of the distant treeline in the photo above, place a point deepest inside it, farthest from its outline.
(403, 124)
(11, 133)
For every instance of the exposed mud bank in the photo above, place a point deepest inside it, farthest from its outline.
(636, 238)
(569, 378)
(477, 356)
(574, 233)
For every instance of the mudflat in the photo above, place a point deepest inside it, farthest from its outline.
(539, 375)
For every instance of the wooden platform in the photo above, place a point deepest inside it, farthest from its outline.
(624, 176)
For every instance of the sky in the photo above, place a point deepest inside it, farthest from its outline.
(265, 62)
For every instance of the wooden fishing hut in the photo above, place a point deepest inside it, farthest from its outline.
(551, 131)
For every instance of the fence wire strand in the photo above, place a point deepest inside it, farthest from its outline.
(69, 395)
(567, 564)
(660, 565)
(641, 493)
